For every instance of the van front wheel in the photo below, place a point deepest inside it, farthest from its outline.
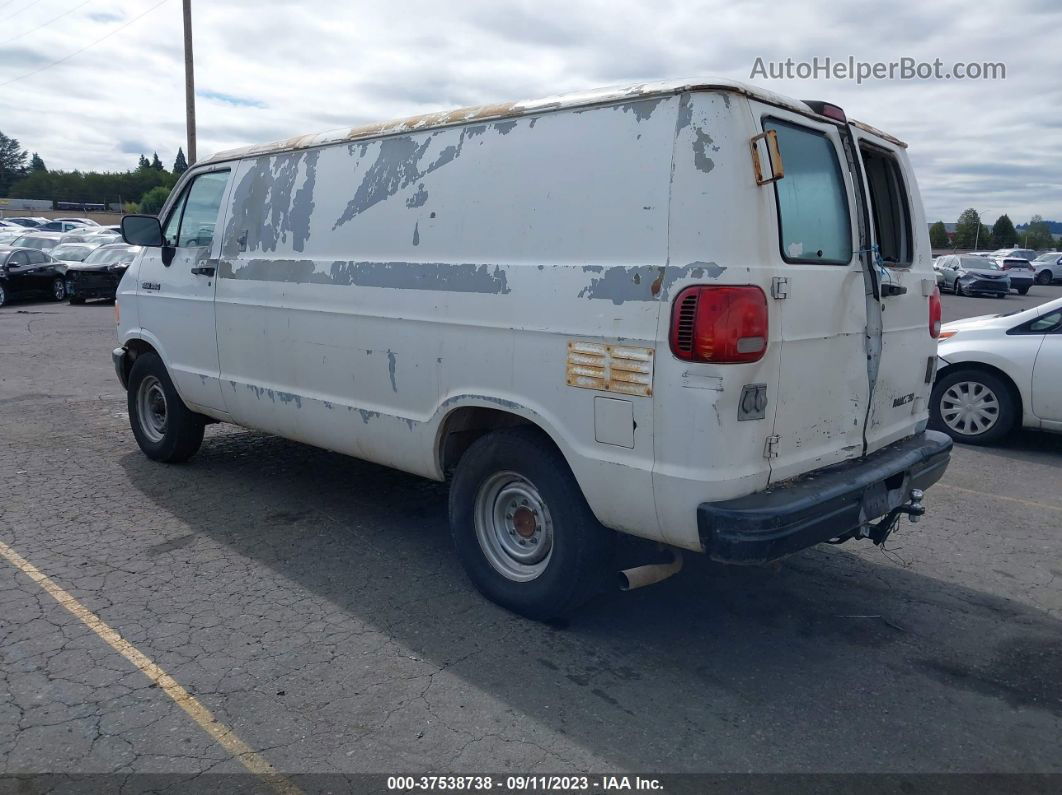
(522, 528)
(164, 427)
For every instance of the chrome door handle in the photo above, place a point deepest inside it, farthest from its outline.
(204, 270)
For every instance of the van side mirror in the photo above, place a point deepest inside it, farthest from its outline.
(142, 230)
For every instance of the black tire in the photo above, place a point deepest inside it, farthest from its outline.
(3, 295)
(1022, 290)
(76, 300)
(579, 564)
(1044, 277)
(958, 288)
(180, 433)
(1006, 411)
(58, 289)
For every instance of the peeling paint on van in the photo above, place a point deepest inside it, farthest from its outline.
(419, 198)
(392, 364)
(642, 109)
(709, 269)
(416, 233)
(626, 284)
(504, 127)
(435, 276)
(701, 142)
(268, 207)
(685, 113)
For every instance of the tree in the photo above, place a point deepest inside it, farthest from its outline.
(938, 236)
(144, 163)
(1003, 234)
(152, 201)
(968, 231)
(156, 163)
(1038, 234)
(12, 163)
(37, 164)
(180, 165)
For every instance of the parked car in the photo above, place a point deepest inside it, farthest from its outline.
(59, 225)
(1021, 253)
(98, 275)
(7, 235)
(965, 274)
(1021, 273)
(80, 221)
(26, 221)
(42, 241)
(998, 372)
(1048, 267)
(72, 252)
(29, 271)
(620, 339)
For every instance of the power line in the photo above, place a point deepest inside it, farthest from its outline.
(87, 46)
(24, 8)
(46, 24)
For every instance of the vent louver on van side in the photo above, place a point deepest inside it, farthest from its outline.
(687, 313)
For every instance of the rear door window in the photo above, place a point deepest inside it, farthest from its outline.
(813, 220)
(890, 211)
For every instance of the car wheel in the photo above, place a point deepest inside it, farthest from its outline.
(1022, 290)
(523, 530)
(958, 288)
(58, 289)
(972, 406)
(164, 427)
(1044, 277)
(3, 295)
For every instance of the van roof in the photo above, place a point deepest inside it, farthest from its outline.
(528, 107)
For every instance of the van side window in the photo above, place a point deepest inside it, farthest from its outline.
(173, 223)
(812, 201)
(890, 212)
(201, 209)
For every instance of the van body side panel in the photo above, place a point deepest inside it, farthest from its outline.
(717, 220)
(366, 291)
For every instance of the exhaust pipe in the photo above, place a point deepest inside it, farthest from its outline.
(650, 574)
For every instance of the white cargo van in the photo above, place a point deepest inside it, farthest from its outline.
(698, 313)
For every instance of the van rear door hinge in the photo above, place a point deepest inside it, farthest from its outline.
(779, 287)
(770, 449)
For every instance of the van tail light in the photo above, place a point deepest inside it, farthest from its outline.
(934, 313)
(724, 325)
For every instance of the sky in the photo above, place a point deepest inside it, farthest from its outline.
(272, 69)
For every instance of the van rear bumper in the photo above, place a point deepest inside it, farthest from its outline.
(823, 504)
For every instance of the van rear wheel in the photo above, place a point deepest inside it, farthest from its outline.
(164, 427)
(522, 528)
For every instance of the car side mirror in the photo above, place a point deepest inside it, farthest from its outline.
(142, 230)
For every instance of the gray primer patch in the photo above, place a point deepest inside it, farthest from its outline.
(685, 113)
(642, 109)
(391, 365)
(416, 233)
(504, 127)
(435, 276)
(274, 396)
(700, 151)
(710, 269)
(266, 209)
(642, 283)
(419, 198)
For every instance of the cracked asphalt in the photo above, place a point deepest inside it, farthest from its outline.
(313, 604)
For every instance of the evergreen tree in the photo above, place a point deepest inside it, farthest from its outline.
(12, 163)
(938, 235)
(1003, 234)
(156, 163)
(1038, 234)
(144, 163)
(180, 165)
(36, 163)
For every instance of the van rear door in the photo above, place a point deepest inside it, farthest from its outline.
(819, 296)
(899, 240)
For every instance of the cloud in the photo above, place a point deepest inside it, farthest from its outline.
(268, 71)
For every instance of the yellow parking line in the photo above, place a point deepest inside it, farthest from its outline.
(223, 734)
(1031, 503)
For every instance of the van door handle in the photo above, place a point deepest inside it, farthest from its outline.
(204, 270)
(888, 289)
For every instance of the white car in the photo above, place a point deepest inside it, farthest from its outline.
(998, 372)
(1048, 267)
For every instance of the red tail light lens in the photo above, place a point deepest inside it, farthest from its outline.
(934, 313)
(724, 325)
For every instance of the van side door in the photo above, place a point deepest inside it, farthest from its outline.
(175, 290)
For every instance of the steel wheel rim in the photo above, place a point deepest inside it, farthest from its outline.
(58, 289)
(151, 408)
(969, 408)
(513, 526)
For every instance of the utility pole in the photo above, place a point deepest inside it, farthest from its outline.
(189, 81)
